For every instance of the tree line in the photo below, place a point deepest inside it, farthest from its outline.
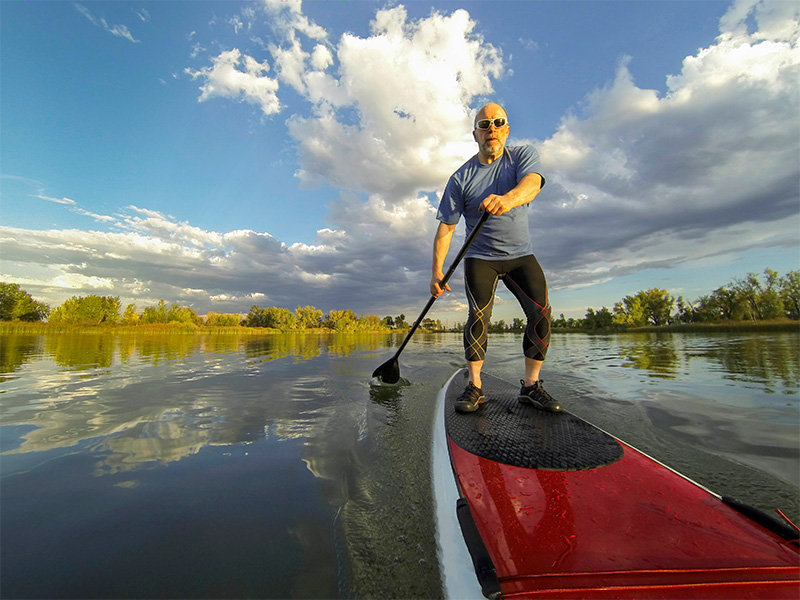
(399, 322)
(752, 298)
(17, 305)
(766, 297)
(309, 317)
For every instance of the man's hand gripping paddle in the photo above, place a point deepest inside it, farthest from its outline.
(389, 372)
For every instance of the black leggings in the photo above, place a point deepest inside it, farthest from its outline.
(525, 279)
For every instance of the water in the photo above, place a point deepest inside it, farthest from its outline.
(269, 467)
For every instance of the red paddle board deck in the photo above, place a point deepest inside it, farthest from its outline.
(564, 510)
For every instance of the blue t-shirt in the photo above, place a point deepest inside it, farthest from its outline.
(503, 237)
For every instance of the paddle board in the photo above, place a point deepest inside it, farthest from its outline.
(550, 506)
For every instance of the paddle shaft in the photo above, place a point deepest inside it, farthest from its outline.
(467, 243)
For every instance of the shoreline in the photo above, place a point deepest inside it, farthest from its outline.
(23, 327)
(159, 328)
(724, 326)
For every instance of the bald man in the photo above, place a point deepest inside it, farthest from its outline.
(502, 180)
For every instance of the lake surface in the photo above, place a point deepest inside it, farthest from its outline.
(144, 466)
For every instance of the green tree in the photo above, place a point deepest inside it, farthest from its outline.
(563, 323)
(762, 299)
(214, 319)
(155, 314)
(17, 305)
(790, 294)
(658, 306)
(728, 303)
(771, 299)
(161, 313)
(388, 322)
(653, 306)
(703, 310)
(341, 320)
(278, 318)
(370, 323)
(8, 299)
(630, 312)
(28, 309)
(308, 317)
(130, 316)
(686, 311)
(88, 310)
(272, 317)
(254, 318)
(749, 289)
(400, 322)
(601, 319)
(183, 314)
(497, 326)
(432, 324)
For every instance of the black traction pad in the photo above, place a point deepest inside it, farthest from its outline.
(507, 431)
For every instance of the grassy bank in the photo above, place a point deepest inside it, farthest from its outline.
(188, 328)
(726, 326)
(148, 329)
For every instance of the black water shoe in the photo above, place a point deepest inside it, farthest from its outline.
(470, 399)
(537, 397)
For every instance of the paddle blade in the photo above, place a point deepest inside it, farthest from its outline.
(388, 372)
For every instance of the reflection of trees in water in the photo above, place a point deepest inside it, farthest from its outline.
(300, 346)
(303, 346)
(104, 390)
(653, 353)
(157, 350)
(763, 358)
(81, 352)
(88, 350)
(15, 351)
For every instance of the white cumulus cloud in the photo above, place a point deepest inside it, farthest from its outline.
(236, 76)
(368, 132)
(640, 180)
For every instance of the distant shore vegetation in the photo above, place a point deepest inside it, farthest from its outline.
(92, 311)
(751, 300)
(766, 300)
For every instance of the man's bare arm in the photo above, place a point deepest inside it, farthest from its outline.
(441, 244)
(525, 191)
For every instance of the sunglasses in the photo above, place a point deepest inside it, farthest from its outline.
(486, 123)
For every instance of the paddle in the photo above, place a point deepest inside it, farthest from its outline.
(389, 372)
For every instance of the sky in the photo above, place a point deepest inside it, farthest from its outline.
(226, 154)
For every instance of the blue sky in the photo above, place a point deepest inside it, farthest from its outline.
(225, 154)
